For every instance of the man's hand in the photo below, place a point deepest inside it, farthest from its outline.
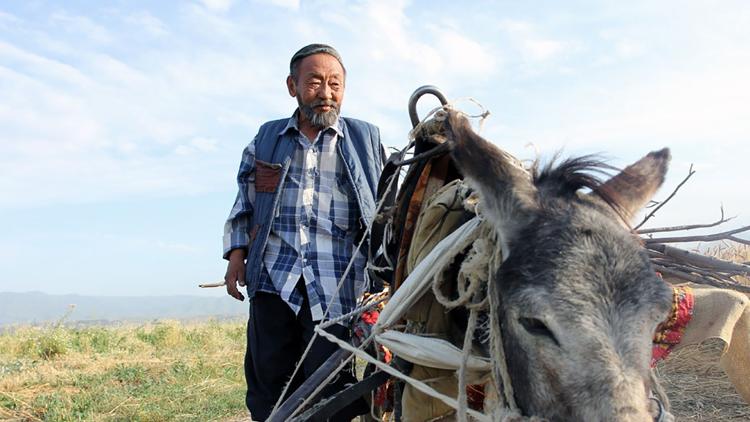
(235, 273)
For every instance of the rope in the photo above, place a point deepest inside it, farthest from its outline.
(419, 385)
(468, 340)
(330, 302)
(472, 272)
(335, 293)
(440, 115)
(503, 415)
(359, 310)
(499, 365)
(486, 254)
(330, 376)
(481, 261)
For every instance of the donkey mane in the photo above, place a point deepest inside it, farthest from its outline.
(578, 300)
(570, 176)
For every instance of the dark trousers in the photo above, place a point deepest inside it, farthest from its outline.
(276, 339)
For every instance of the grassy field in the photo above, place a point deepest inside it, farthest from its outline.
(171, 371)
(157, 372)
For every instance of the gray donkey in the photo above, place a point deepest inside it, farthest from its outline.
(579, 301)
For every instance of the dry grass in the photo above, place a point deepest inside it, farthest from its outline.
(734, 252)
(159, 372)
(698, 388)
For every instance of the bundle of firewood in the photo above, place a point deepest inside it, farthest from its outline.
(676, 263)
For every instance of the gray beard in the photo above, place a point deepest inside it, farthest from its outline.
(320, 120)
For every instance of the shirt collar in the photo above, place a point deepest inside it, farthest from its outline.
(293, 124)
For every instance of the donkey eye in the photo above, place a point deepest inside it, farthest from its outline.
(536, 327)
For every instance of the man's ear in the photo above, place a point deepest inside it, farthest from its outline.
(291, 86)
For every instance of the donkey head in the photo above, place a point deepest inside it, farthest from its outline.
(579, 300)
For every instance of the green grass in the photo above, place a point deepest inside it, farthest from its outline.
(158, 372)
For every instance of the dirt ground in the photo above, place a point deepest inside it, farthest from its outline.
(697, 387)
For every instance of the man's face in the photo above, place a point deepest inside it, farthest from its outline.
(319, 88)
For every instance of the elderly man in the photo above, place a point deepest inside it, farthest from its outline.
(307, 187)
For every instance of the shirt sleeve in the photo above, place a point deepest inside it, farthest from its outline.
(236, 228)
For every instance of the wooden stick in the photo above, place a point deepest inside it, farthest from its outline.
(713, 274)
(702, 280)
(207, 285)
(288, 408)
(698, 260)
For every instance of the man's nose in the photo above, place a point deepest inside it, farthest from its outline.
(325, 91)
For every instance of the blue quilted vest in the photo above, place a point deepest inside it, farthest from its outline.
(361, 151)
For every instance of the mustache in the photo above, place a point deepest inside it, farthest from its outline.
(329, 103)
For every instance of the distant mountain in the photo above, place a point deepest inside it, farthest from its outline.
(37, 308)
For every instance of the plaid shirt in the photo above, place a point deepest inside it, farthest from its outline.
(313, 230)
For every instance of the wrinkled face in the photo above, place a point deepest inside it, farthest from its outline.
(580, 307)
(319, 89)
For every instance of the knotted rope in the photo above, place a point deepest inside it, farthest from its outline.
(378, 210)
(477, 292)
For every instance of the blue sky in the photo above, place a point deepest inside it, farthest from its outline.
(122, 122)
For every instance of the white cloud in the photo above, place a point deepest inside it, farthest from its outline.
(628, 49)
(197, 145)
(131, 123)
(35, 65)
(147, 22)
(542, 50)
(9, 19)
(619, 52)
(218, 5)
(689, 106)
(210, 20)
(532, 46)
(111, 70)
(461, 55)
(399, 52)
(287, 4)
(80, 125)
(81, 24)
(204, 144)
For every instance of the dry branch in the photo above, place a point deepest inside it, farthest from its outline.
(699, 260)
(691, 172)
(721, 220)
(701, 279)
(738, 240)
(727, 235)
(691, 266)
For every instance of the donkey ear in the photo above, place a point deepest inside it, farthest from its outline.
(505, 188)
(633, 187)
